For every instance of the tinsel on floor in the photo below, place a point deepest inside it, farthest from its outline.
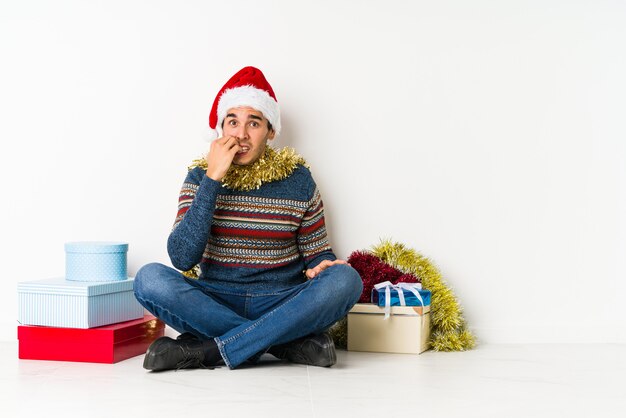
(396, 263)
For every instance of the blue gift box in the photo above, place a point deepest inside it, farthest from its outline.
(64, 303)
(378, 297)
(93, 261)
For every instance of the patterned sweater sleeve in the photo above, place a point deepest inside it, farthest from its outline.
(192, 227)
(312, 238)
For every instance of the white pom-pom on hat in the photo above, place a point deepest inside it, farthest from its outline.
(209, 134)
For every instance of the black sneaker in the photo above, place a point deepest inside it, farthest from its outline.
(314, 350)
(168, 354)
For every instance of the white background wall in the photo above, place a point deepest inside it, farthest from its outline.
(487, 135)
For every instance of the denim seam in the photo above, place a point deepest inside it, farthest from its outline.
(270, 313)
(267, 294)
(222, 349)
(231, 293)
(219, 292)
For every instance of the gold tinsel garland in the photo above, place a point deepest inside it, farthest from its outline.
(339, 333)
(272, 166)
(449, 330)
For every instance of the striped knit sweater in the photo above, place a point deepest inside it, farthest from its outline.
(262, 238)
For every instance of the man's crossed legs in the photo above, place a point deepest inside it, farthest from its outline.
(232, 325)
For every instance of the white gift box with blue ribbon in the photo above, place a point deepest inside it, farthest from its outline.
(406, 330)
(390, 328)
(58, 302)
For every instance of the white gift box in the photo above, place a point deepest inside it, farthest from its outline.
(70, 304)
(406, 330)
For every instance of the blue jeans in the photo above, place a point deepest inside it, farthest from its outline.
(245, 323)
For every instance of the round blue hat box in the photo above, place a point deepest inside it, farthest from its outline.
(95, 261)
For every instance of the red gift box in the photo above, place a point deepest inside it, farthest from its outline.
(106, 344)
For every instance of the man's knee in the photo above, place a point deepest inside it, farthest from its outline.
(148, 280)
(347, 282)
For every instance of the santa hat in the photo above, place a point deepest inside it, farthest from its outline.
(246, 88)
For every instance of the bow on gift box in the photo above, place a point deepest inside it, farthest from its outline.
(400, 287)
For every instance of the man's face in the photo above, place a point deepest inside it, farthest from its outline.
(251, 130)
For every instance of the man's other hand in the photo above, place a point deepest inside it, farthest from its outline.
(311, 273)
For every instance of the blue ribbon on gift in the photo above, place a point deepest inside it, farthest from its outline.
(398, 288)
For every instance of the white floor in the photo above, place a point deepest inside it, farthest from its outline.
(490, 381)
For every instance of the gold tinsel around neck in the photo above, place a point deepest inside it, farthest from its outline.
(272, 166)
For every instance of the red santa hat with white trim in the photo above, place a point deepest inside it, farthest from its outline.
(248, 87)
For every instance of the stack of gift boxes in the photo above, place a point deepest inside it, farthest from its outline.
(396, 321)
(90, 315)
